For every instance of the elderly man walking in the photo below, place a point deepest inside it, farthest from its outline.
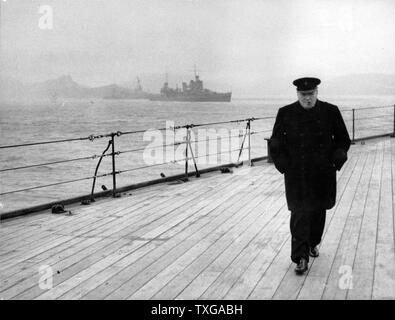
(308, 144)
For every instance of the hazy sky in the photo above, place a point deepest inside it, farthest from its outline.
(103, 41)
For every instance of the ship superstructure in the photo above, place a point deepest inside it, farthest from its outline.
(194, 91)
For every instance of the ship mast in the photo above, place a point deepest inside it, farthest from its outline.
(195, 71)
(139, 87)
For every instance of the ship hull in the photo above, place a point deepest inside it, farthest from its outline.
(128, 97)
(219, 97)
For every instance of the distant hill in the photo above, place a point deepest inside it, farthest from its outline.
(66, 87)
(62, 87)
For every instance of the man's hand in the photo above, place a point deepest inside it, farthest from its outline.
(339, 158)
(281, 161)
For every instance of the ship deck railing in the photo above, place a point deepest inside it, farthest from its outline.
(363, 123)
(216, 237)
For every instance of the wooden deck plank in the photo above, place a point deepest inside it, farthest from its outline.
(49, 257)
(247, 282)
(27, 276)
(47, 220)
(221, 236)
(167, 246)
(175, 268)
(291, 285)
(288, 279)
(275, 274)
(194, 260)
(84, 287)
(113, 231)
(93, 269)
(246, 246)
(268, 282)
(195, 215)
(34, 248)
(153, 209)
(71, 266)
(106, 206)
(363, 267)
(157, 216)
(11, 274)
(58, 223)
(384, 272)
(231, 276)
(180, 217)
(242, 288)
(187, 260)
(82, 230)
(37, 249)
(152, 216)
(315, 284)
(337, 286)
(64, 230)
(209, 221)
(211, 217)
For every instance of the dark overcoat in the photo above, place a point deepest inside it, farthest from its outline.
(308, 146)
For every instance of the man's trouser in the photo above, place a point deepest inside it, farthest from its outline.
(306, 231)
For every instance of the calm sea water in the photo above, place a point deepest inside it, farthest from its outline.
(42, 121)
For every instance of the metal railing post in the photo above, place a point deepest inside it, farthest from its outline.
(393, 131)
(249, 142)
(242, 144)
(187, 138)
(269, 155)
(114, 180)
(92, 199)
(353, 126)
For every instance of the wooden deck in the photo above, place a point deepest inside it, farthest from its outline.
(220, 236)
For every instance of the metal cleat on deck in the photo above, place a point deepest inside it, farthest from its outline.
(226, 170)
(59, 208)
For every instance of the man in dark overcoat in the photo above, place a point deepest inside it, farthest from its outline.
(308, 144)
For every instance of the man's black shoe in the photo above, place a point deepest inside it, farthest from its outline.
(301, 267)
(313, 252)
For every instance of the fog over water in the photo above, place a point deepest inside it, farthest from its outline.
(250, 47)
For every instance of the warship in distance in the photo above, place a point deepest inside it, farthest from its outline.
(192, 92)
